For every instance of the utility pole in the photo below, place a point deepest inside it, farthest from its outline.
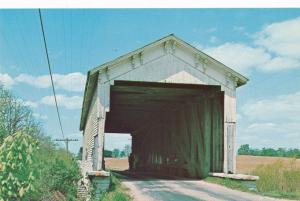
(66, 140)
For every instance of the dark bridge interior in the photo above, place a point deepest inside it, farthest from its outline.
(177, 129)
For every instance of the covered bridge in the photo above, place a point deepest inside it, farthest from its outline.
(178, 103)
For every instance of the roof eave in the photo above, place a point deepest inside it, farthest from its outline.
(81, 127)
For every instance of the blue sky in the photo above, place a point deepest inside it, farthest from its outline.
(262, 44)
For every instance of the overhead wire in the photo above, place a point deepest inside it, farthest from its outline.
(50, 73)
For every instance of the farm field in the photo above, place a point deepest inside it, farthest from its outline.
(118, 164)
(244, 164)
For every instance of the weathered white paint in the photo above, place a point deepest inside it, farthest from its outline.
(235, 176)
(169, 62)
(88, 135)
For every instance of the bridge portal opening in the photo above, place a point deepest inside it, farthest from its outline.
(117, 149)
(177, 129)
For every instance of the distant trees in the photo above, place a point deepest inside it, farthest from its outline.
(108, 153)
(127, 150)
(245, 149)
(117, 153)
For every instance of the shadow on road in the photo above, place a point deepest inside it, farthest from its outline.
(138, 175)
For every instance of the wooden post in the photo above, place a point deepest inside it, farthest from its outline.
(66, 140)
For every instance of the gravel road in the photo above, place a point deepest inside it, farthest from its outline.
(152, 189)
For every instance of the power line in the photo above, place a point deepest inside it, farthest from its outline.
(50, 72)
(66, 140)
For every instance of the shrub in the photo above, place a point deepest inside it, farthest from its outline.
(116, 192)
(59, 172)
(17, 175)
(64, 176)
(27, 174)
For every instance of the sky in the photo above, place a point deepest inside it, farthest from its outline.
(262, 44)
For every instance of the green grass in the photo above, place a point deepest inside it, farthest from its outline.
(116, 192)
(279, 180)
(230, 183)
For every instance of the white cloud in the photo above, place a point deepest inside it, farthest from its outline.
(69, 82)
(243, 58)
(40, 81)
(275, 47)
(283, 107)
(272, 122)
(270, 134)
(69, 102)
(30, 104)
(281, 63)
(239, 56)
(282, 38)
(40, 116)
(6, 80)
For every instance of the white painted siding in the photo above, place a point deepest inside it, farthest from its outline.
(89, 133)
(162, 65)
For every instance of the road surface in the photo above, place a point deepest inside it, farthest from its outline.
(151, 189)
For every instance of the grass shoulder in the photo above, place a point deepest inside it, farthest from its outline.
(241, 186)
(229, 183)
(117, 191)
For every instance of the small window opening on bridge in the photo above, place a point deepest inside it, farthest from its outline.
(117, 149)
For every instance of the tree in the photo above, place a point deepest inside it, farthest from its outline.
(269, 152)
(116, 153)
(122, 154)
(244, 149)
(22, 177)
(15, 116)
(127, 150)
(17, 174)
(281, 152)
(108, 153)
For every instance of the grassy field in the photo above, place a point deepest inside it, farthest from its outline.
(279, 179)
(247, 164)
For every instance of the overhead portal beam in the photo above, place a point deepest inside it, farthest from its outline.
(132, 103)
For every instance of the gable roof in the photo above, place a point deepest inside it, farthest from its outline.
(92, 75)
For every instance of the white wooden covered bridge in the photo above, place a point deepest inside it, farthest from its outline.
(178, 103)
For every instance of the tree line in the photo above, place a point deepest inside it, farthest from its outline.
(117, 153)
(32, 166)
(245, 149)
